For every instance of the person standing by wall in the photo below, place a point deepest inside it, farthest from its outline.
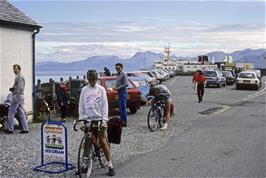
(17, 104)
(63, 99)
(121, 87)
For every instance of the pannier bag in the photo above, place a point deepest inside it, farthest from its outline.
(114, 130)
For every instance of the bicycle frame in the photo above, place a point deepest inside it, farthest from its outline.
(90, 145)
(161, 106)
(88, 131)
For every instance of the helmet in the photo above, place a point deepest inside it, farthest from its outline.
(92, 74)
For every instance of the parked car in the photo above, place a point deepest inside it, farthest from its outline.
(170, 72)
(248, 79)
(164, 73)
(142, 84)
(134, 99)
(229, 78)
(214, 77)
(146, 74)
(158, 76)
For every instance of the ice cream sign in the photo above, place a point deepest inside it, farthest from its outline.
(54, 140)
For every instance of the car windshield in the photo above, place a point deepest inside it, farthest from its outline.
(143, 83)
(136, 82)
(246, 75)
(210, 74)
(160, 72)
(227, 73)
(153, 72)
(110, 84)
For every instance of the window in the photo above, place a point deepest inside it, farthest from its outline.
(210, 74)
(110, 84)
(142, 83)
(246, 75)
(135, 82)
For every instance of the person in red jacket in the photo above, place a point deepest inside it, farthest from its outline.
(201, 81)
(194, 79)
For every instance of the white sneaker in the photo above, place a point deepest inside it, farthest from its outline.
(164, 127)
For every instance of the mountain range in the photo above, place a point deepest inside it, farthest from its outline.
(144, 60)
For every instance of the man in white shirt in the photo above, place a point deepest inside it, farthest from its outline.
(93, 104)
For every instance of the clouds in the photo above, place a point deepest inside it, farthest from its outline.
(77, 41)
(76, 30)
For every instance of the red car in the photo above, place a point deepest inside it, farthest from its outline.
(134, 99)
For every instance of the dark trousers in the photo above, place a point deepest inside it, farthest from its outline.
(63, 110)
(200, 91)
(122, 101)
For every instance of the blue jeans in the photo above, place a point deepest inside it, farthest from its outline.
(122, 101)
(17, 106)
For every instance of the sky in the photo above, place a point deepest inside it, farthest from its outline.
(76, 30)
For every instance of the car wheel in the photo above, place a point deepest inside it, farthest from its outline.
(133, 110)
(224, 84)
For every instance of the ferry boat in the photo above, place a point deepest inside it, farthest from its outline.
(184, 66)
(202, 64)
(168, 63)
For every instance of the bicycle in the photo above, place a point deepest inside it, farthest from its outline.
(91, 130)
(155, 115)
(42, 107)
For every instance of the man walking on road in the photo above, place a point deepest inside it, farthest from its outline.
(17, 104)
(200, 80)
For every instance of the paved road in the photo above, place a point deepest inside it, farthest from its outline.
(228, 143)
(224, 136)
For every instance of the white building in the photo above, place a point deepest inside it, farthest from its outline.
(17, 46)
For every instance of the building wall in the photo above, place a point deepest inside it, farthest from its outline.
(15, 48)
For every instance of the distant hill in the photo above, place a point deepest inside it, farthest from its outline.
(145, 60)
(247, 55)
(139, 61)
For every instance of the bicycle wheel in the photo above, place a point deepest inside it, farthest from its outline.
(102, 159)
(85, 165)
(46, 115)
(153, 117)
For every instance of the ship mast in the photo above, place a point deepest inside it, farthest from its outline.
(168, 51)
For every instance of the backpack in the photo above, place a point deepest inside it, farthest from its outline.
(114, 130)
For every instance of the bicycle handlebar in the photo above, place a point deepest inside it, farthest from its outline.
(85, 121)
(81, 120)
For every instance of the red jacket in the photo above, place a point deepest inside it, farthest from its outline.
(201, 79)
(196, 76)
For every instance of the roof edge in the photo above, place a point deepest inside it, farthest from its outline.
(17, 25)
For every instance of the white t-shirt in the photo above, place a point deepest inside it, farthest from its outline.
(9, 99)
(93, 103)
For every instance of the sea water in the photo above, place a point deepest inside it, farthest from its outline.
(45, 76)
